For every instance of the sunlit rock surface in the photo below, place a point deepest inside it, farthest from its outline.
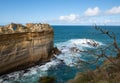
(23, 46)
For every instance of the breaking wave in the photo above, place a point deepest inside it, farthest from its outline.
(71, 50)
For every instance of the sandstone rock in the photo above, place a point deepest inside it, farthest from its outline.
(19, 29)
(5, 30)
(10, 30)
(30, 27)
(22, 49)
(12, 25)
(1, 32)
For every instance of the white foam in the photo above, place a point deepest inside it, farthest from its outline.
(70, 54)
(79, 43)
(71, 49)
(1, 80)
(37, 70)
(48, 65)
(84, 42)
(5, 82)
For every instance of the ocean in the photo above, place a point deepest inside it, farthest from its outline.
(71, 40)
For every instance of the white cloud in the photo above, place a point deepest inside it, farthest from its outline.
(69, 18)
(92, 11)
(90, 17)
(114, 10)
(108, 21)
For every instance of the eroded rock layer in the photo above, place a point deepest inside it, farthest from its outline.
(25, 47)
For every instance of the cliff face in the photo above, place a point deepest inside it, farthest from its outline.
(25, 46)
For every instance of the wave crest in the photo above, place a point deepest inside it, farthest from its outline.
(72, 49)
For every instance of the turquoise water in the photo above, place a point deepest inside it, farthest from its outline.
(65, 66)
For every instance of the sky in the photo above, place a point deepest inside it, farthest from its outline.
(60, 12)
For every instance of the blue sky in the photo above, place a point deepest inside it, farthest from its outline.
(61, 12)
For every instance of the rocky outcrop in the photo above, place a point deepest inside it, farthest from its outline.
(19, 28)
(56, 51)
(24, 46)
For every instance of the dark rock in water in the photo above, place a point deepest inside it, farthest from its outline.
(46, 79)
(26, 70)
(21, 74)
(75, 49)
(93, 43)
(11, 78)
(62, 61)
(5, 78)
(56, 51)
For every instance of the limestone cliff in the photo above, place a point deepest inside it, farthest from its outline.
(23, 46)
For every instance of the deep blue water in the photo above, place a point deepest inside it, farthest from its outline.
(64, 33)
(66, 38)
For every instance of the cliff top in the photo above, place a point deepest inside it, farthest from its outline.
(19, 28)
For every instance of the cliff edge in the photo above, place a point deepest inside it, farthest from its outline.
(24, 46)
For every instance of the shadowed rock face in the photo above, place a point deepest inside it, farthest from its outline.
(24, 46)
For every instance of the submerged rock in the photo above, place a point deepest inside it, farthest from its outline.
(46, 79)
